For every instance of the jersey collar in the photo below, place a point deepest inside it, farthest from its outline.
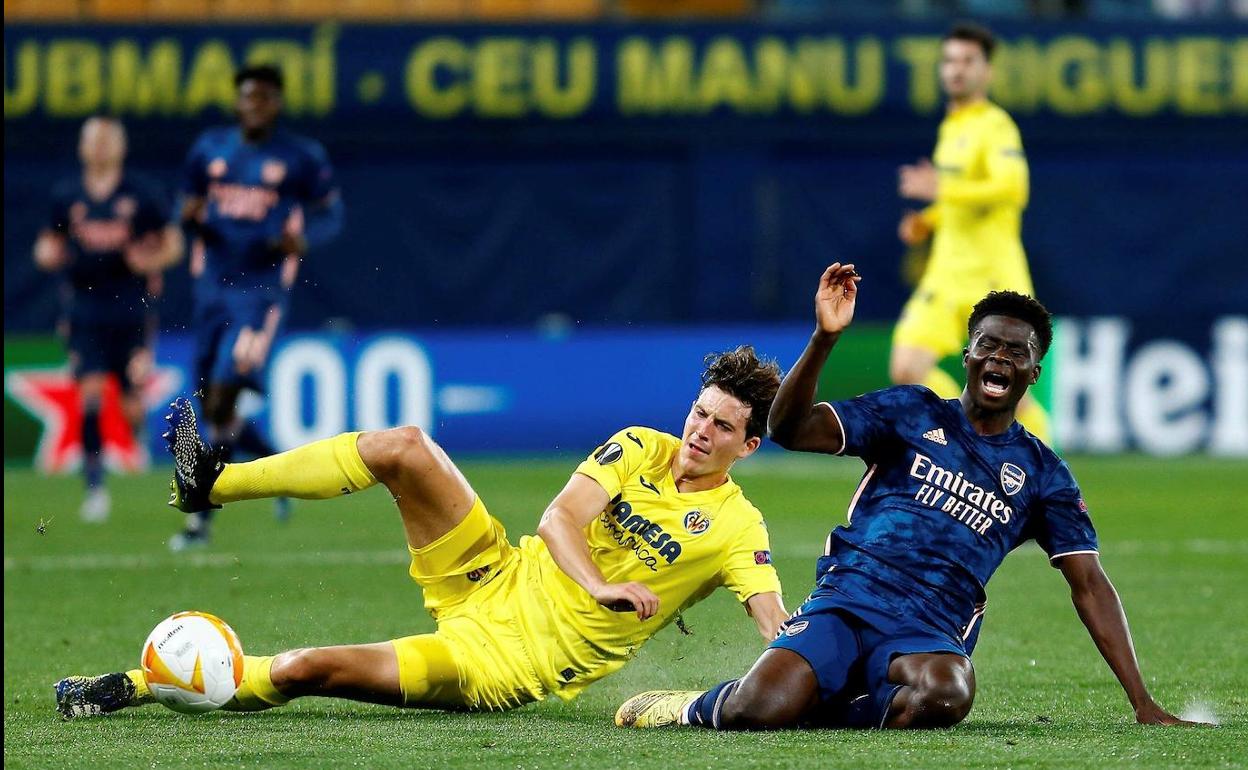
(1011, 433)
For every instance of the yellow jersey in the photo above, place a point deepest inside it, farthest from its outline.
(977, 214)
(680, 545)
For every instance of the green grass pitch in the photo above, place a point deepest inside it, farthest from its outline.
(81, 598)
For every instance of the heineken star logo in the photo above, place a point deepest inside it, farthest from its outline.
(51, 396)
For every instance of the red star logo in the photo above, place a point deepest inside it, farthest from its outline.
(52, 396)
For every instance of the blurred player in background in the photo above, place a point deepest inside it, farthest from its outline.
(109, 232)
(951, 487)
(978, 188)
(648, 525)
(256, 199)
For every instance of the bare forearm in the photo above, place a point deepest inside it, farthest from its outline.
(570, 550)
(797, 392)
(768, 612)
(173, 244)
(1101, 612)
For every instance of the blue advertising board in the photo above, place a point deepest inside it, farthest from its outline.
(1115, 385)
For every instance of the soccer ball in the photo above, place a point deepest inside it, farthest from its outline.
(193, 662)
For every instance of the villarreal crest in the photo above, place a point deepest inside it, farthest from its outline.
(697, 522)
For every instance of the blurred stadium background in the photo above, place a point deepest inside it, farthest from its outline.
(539, 190)
(554, 208)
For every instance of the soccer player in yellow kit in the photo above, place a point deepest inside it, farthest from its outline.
(648, 525)
(978, 189)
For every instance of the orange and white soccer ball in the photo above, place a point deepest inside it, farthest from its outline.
(193, 662)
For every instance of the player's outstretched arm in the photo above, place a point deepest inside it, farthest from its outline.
(563, 528)
(154, 251)
(1101, 611)
(794, 422)
(767, 610)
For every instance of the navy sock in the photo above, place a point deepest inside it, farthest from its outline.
(861, 713)
(251, 441)
(705, 709)
(92, 445)
(223, 440)
(199, 521)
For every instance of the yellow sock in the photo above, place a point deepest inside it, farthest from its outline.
(940, 383)
(1035, 419)
(257, 692)
(322, 469)
(142, 694)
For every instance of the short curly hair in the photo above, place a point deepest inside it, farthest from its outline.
(1011, 304)
(263, 73)
(973, 33)
(743, 375)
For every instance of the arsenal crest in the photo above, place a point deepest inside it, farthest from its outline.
(1012, 478)
(796, 627)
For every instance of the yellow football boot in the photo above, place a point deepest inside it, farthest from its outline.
(656, 708)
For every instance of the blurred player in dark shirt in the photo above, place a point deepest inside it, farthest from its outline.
(255, 199)
(108, 231)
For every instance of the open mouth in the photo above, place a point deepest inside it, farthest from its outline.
(697, 449)
(995, 384)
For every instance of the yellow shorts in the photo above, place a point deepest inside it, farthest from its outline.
(469, 576)
(934, 318)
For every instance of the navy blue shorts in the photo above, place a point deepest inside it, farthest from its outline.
(105, 348)
(849, 639)
(218, 321)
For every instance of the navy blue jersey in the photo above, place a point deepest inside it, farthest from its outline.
(253, 193)
(940, 506)
(103, 287)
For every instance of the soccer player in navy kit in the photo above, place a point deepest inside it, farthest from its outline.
(951, 487)
(256, 199)
(109, 231)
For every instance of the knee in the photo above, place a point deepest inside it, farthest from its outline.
(91, 390)
(389, 453)
(943, 703)
(304, 671)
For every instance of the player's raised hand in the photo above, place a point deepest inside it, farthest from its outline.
(912, 229)
(143, 254)
(627, 597)
(834, 301)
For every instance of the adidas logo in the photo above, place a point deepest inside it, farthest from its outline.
(936, 435)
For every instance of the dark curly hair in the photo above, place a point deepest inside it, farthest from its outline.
(1011, 304)
(263, 73)
(973, 33)
(743, 375)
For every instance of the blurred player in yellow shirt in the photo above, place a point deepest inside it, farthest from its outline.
(978, 189)
(648, 525)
